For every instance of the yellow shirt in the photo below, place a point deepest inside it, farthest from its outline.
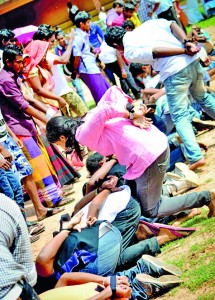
(135, 19)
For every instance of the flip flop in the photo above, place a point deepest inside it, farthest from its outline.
(50, 213)
(36, 229)
(34, 238)
(65, 201)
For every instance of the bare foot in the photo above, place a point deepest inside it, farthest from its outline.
(212, 205)
(194, 212)
(143, 232)
(197, 164)
(165, 235)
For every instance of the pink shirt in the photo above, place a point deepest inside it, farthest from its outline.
(108, 132)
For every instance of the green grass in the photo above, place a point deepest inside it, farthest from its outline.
(203, 24)
(195, 256)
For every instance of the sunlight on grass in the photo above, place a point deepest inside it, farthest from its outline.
(195, 259)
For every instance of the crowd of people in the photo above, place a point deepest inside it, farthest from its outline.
(150, 81)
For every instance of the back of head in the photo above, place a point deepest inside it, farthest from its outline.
(118, 3)
(44, 32)
(128, 25)
(128, 6)
(92, 162)
(10, 52)
(69, 4)
(58, 126)
(5, 36)
(114, 35)
(136, 69)
(81, 17)
(59, 32)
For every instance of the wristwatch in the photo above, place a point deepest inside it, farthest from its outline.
(187, 41)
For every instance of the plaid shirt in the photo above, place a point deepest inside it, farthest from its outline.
(145, 7)
(16, 260)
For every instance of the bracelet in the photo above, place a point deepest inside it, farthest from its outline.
(186, 41)
(123, 70)
(131, 116)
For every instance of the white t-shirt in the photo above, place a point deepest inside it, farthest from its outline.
(151, 34)
(113, 205)
(107, 54)
(61, 85)
(3, 129)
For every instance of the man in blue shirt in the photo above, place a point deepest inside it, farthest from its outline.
(85, 60)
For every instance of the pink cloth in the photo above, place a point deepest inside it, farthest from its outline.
(106, 131)
(36, 50)
(119, 20)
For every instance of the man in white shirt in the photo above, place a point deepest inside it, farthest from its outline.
(164, 45)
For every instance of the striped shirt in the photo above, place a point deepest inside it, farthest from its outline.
(16, 260)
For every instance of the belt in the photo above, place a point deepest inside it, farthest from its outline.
(105, 229)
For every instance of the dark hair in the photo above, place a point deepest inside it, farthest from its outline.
(92, 162)
(59, 31)
(6, 35)
(69, 4)
(44, 32)
(118, 2)
(10, 52)
(82, 16)
(128, 24)
(114, 35)
(134, 2)
(136, 69)
(128, 6)
(58, 126)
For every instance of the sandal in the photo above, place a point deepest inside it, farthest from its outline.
(36, 229)
(50, 212)
(34, 238)
(65, 201)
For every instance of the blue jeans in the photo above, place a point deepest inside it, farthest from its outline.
(11, 187)
(109, 248)
(77, 85)
(149, 190)
(177, 86)
(127, 222)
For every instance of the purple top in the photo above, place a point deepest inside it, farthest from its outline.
(13, 105)
(111, 15)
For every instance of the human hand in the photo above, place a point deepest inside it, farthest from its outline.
(191, 48)
(124, 74)
(76, 219)
(4, 164)
(88, 223)
(110, 183)
(71, 35)
(119, 280)
(62, 102)
(142, 122)
(6, 154)
(123, 291)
